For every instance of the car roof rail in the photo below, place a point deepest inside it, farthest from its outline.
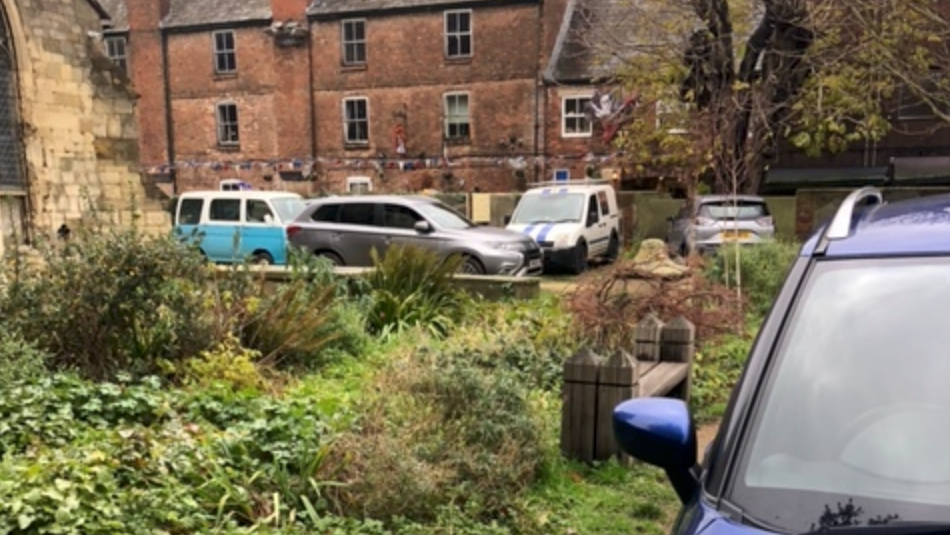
(572, 182)
(840, 226)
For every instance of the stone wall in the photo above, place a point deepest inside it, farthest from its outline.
(78, 117)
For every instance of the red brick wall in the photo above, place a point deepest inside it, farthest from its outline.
(571, 150)
(191, 61)
(146, 70)
(404, 81)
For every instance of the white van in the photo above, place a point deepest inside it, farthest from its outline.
(573, 221)
(231, 226)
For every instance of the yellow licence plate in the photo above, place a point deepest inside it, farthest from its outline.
(732, 235)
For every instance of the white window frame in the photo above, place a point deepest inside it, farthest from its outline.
(576, 116)
(453, 119)
(355, 42)
(112, 43)
(459, 34)
(347, 121)
(222, 123)
(359, 184)
(219, 52)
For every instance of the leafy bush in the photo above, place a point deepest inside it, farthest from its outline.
(116, 301)
(441, 433)
(762, 270)
(716, 369)
(20, 359)
(412, 286)
(527, 338)
(227, 364)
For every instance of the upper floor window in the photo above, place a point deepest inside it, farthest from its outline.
(225, 58)
(457, 118)
(227, 122)
(574, 119)
(354, 42)
(458, 34)
(115, 49)
(356, 121)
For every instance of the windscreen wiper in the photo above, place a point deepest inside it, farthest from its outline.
(895, 527)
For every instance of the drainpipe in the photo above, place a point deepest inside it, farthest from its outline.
(313, 100)
(539, 92)
(169, 125)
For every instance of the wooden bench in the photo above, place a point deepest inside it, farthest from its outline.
(660, 365)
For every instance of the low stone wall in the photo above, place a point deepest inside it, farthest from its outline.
(491, 287)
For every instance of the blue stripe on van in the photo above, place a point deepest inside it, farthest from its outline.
(543, 234)
(529, 229)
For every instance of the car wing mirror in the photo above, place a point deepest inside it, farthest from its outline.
(269, 219)
(660, 431)
(422, 226)
(507, 219)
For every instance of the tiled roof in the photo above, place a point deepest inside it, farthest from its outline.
(117, 14)
(335, 7)
(184, 13)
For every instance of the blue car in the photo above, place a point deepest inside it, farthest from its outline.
(840, 423)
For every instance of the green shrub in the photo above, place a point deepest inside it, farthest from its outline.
(412, 286)
(762, 270)
(228, 364)
(110, 302)
(527, 338)
(20, 359)
(716, 369)
(436, 434)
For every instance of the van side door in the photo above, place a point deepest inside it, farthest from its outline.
(597, 231)
(261, 231)
(222, 230)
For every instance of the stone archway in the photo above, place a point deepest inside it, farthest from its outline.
(13, 176)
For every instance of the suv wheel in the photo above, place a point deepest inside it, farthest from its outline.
(471, 266)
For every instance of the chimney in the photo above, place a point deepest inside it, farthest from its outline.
(284, 10)
(146, 15)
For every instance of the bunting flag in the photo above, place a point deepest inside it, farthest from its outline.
(516, 162)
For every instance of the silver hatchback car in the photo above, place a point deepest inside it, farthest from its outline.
(709, 221)
(345, 229)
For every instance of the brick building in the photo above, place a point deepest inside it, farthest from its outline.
(334, 96)
(68, 136)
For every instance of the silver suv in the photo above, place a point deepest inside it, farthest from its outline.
(345, 229)
(708, 221)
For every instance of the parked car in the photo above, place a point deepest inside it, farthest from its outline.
(231, 226)
(573, 221)
(345, 229)
(839, 423)
(708, 221)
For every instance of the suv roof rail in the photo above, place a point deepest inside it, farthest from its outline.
(572, 182)
(840, 226)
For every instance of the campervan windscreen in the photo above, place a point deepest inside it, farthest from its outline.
(549, 208)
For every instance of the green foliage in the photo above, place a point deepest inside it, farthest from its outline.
(716, 369)
(227, 364)
(761, 270)
(109, 302)
(523, 338)
(442, 432)
(411, 287)
(20, 359)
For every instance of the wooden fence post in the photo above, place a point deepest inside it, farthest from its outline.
(677, 344)
(646, 337)
(617, 383)
(579, 409)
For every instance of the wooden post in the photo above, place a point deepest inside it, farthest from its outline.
(579, 409)
(617, 383)
(646, 336)
(677, 344)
